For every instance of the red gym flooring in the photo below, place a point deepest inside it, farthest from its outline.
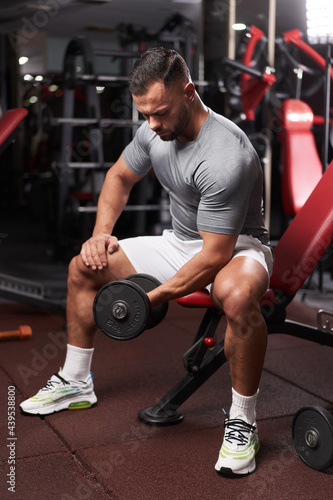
(107, 453)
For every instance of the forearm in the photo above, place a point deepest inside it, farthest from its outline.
(191, 277)
(198, 272)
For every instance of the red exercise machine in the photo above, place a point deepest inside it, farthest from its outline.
(302, 166)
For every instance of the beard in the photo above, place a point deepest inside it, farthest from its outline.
(182, 122)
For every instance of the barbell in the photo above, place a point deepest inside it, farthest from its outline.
(122, 310)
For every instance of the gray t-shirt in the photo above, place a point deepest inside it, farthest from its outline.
(214, 183)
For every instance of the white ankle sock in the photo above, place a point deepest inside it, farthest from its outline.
(78, 363)
(243, 405)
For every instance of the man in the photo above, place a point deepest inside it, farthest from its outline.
(214, 180)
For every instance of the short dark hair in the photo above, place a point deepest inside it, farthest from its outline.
(157, 65)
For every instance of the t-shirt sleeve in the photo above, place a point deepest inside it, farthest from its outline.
(136, 153)
(225, 194)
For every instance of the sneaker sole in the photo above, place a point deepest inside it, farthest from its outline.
(65, 405)
(226, 471)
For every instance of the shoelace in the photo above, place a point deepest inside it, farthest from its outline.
(237, 431)
(50, 383)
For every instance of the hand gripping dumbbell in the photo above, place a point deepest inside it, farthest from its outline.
(122, 309)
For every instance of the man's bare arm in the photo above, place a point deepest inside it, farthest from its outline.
(199, 271)
(114, 195)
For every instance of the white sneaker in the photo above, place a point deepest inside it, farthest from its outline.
(59, 394)
(239, 448)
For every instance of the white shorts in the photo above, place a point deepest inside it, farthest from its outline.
(162, 256)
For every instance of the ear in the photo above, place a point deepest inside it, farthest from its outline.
(189, 91)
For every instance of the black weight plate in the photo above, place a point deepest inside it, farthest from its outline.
(309, 422)
(138, 308)
(148, 283)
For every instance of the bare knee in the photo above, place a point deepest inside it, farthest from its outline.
(79, 276)
(237, 302)
(82, 277)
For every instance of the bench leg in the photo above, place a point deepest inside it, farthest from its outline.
(166, 411)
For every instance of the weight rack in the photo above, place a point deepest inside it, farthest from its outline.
(93, 164)
(29, 292)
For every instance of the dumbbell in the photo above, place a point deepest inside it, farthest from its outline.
(122, 309)
(312, 431)
(23, 332)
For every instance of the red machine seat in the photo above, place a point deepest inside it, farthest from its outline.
(301, 164)
(201, 298)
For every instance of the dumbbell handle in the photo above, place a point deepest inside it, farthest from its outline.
(23, 332)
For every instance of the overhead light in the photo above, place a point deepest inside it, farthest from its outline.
(319, 21)
(239, 26)
(39, 78)
(28, 78)
(22, 60)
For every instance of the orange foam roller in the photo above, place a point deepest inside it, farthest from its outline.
(23, 332)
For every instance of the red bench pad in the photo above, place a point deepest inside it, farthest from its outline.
(201, 298)
(306, 239)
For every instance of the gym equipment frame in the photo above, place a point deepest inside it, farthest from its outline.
(15, 288)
